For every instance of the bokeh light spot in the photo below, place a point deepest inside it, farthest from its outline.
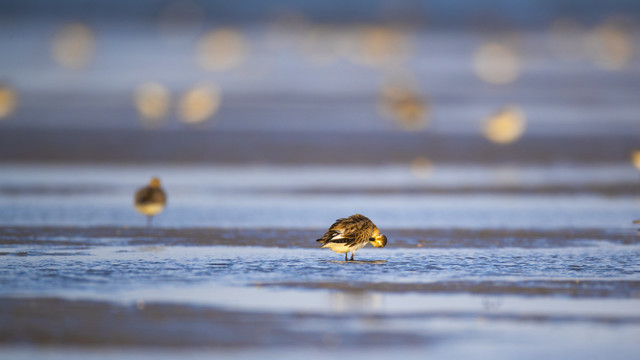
(199, 103)
(152, 102)
(221, 50)
(506, 126)
(496, 64)
(610, 46)
(8, 101)
(635, 159)
(379, 46)
(73, 46)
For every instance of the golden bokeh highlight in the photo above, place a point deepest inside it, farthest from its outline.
(610, 46)
(199, 104)
(222, 49)
(496, 63)
(506, 126)
(380, 46)
(421, 167)
(402, 103)
(566, 39)
(8, 101)
(635, 159)
(152, 100)
(73, 46)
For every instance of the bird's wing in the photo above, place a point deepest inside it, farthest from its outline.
(143, 195)
(335, 234)
(160, 196)
(150, 195)
(349, 231)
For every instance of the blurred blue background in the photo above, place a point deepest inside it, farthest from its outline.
(116, 80)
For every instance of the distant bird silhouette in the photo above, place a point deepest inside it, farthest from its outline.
(150, 200)
(352, 233)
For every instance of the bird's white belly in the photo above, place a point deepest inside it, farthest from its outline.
(343, 248)
(150, 209)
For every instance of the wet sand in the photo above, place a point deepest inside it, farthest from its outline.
(300, 148)
(304, 238)
(93, 323)
(53, 321)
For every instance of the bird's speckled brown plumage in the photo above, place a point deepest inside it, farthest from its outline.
(352, 233)
(148, 195)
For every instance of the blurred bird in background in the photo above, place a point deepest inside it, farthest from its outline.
(151, 199)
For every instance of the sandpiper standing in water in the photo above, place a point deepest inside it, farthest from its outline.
(352, 233)
(151, 199)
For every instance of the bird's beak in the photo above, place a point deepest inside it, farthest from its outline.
(379, 241)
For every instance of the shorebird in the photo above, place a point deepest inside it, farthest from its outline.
(150, 200)
(352, 233)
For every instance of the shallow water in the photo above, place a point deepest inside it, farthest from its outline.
(231, 267)
(125, 298)
(111, 272)
(291, 197)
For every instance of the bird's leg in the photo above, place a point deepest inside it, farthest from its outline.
(345, 256)
(352, 253)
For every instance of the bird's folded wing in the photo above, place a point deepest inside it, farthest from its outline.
(143, 195)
